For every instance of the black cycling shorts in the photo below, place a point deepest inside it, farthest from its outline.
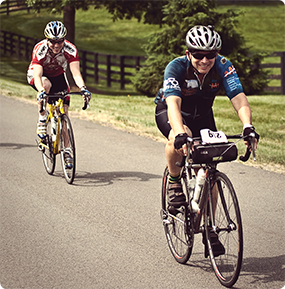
(58, 84)
(195, 125)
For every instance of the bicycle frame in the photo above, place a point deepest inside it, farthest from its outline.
(55, 108)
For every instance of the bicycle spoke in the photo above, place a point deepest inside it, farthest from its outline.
(229, 229)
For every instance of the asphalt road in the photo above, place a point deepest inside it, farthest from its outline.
(104, 231)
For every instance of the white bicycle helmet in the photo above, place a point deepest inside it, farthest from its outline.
(55, 30)
(203, 38)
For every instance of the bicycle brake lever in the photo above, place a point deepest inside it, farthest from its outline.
(246, 156)
(86, 105)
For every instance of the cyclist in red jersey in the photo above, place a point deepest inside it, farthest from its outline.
(46, 73)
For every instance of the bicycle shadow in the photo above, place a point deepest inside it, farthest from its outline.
(16, 146)
(258, 270)
(265, 269)
(86, 179)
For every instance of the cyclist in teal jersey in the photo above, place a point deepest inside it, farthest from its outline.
(184, 104)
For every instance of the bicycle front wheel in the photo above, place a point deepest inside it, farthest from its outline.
(175, 227)
(67, 149)
(48, 155)
(227, 220)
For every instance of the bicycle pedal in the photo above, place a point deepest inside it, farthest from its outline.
(39, 145)
(163, 215)
(166, 222)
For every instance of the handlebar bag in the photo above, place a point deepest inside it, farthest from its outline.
(214, 153)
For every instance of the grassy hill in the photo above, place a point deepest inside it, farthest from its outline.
(262, 26)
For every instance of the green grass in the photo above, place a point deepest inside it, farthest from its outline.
(261, 25)
(269, 120)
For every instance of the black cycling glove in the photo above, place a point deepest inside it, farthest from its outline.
(247, 131)
(180, 140)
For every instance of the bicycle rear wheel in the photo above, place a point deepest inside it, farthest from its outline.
(67, 149)
(47, 151)
(229, 229)
(175, 227)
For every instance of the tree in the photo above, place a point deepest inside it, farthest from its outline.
(169, 42)
(148, 10)
(67, 6)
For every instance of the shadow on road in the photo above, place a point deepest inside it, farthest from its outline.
(108, 178)
(16, 146)
(265, 270)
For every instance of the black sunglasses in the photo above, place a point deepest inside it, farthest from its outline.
(200, 56)
(56, 41)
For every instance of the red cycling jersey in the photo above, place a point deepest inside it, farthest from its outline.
(53, 65)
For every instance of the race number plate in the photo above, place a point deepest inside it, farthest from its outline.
(209, 136)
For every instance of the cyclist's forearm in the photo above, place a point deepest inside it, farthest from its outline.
(38, 84)
(241, 105)
(174, 114)
(244, 115)
(75, 70)
(79, 81)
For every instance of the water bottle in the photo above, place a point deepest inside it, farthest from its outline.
(53, 127)
(200, 181)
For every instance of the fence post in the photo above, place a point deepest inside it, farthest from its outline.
(109, 70)
(7, 11)
(11, 44)
(19, 47)
(5, 41)
(138, 63)
(96, 68)
(26, 49)
(283, 72)
(83, 65)
(122, 72)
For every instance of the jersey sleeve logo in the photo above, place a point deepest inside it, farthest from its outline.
(223, 60)
(171, 83)
(41, 53)
(70, 49)
(231, 70)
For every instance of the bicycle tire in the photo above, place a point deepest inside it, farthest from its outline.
(48, 155)
(67, 143)
(226, 266)
(175, 227)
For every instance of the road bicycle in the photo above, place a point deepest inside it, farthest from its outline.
(215, 213)
(59, 138)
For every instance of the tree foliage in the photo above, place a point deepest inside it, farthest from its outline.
(57, 6)
(169, 42)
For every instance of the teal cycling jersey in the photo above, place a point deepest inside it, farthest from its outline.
(181, 79)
